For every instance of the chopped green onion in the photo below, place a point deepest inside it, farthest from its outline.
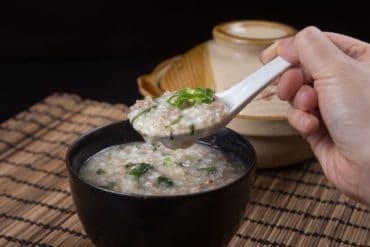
(190, 157)
(140, 169)
(192, 129)
(141, 113)
(187, 97)
(109, 185)
(100, 172)
(177, 120)
(212, 170)
(156, 146)
(165, 182)
(172, 137)
(167, 161)
(129, 165)
(209, 170)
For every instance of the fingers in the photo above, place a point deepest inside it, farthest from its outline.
(269, 53)
(302, 116)
(352, 47)
(317, 53)
(289, 83)
(305, 99)
(304, 122)
(284, 48)
(287, 48)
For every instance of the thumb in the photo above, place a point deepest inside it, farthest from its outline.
(316, 52)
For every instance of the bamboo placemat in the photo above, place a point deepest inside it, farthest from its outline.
(294, 206)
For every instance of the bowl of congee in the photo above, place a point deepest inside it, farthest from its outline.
(132, 187)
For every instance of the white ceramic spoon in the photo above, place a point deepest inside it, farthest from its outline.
(235, 98)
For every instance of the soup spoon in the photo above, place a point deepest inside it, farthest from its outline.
(235, 98)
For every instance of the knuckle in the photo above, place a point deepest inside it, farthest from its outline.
(307, 34)
(310, 31)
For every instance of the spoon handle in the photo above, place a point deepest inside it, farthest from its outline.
(238, 96)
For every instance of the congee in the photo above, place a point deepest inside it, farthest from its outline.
(175, 113)
(152, 169)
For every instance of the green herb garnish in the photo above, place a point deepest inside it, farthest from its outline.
(187, 97)
(192, 129)
(140, 169)
(165, 182)
(156, 146)
(209, 170)
(100, 172)
(177, 120)
(129, 165)
(167, 161)
(109, 185)
(141, 113)
(172, 137)
(190, 157)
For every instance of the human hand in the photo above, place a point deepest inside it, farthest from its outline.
(329, 89)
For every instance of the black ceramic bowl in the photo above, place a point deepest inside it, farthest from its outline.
(203, 219)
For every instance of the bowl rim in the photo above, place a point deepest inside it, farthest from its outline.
(250, 168)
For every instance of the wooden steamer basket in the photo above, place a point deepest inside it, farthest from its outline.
(220, 63)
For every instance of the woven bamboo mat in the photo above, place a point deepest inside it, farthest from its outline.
(293, 206)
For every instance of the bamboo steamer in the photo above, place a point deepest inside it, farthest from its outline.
(231, 55)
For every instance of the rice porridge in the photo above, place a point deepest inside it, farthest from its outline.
(153, 169)
(176, 113)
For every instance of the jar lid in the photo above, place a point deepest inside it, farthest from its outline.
(252, 31)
